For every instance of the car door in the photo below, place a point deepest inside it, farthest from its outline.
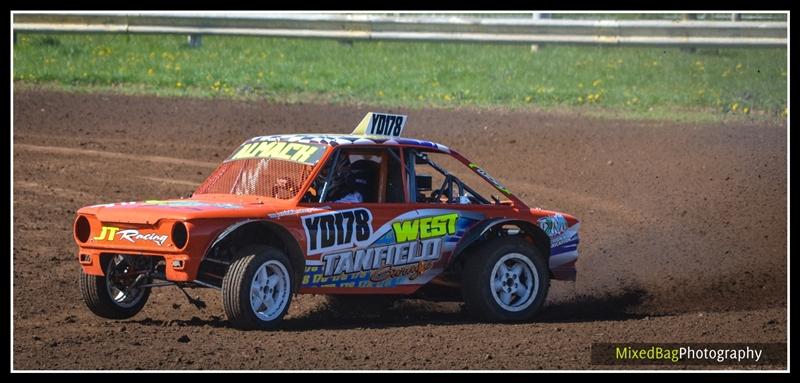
(352, 246)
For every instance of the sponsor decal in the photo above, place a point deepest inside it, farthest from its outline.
(418, 243)
(381, 124)
(357, 137)
(564, 245)
(337, 230)
(296, 212)
(303, 153)
(404, 250)
(424, 228)
(489, 178)
(384, 259)
(191, 204)
(411, 271)
(563, 239)
(133, 235)
(107, 233)
(553, 225)
(114, 204)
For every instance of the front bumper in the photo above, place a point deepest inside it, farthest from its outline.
(177, 267)
(181, 254)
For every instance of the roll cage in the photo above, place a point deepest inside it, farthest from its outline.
(453, 188)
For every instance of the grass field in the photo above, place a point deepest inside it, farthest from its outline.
(632, 81)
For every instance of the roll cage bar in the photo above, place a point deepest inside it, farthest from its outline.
(420, 153)
(462, 186)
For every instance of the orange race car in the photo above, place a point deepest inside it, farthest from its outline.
(365, 216)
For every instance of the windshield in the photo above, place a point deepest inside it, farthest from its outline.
(269, 168)
(263, 177)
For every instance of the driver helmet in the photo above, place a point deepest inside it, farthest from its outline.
(352, 177)
(338, 186)
(360, 177)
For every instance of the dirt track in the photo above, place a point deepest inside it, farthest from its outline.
(683, 236)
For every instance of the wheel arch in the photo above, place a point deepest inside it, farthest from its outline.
(255, 231)
(498, 227)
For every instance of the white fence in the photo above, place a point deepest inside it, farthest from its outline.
(683, 33)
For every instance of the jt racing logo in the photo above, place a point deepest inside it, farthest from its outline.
(107, 233)
(337, 230)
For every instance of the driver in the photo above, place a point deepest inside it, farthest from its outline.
(284, 188)
(354, 182)
(443, 194)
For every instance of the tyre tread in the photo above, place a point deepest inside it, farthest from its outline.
(474, 291)
(235, 300)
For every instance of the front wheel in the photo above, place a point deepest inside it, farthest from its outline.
(506, 279)
(114, 295)
(257, 290)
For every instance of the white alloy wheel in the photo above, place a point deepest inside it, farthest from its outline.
(514, 282)
(270, 290)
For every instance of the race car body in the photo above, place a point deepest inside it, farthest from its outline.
(342, 215)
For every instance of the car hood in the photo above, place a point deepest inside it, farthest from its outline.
(206, 206)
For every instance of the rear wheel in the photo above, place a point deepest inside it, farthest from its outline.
(257, 290)
(506, 279)
(113, 295)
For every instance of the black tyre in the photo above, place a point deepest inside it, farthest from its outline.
(258, 288)
(107, 297)
(505, 279)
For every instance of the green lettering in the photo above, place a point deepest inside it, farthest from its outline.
(406, 231)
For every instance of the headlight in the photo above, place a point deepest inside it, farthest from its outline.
(82, 229)
(179, 235)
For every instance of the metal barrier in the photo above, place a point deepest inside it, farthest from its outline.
(683, 33)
